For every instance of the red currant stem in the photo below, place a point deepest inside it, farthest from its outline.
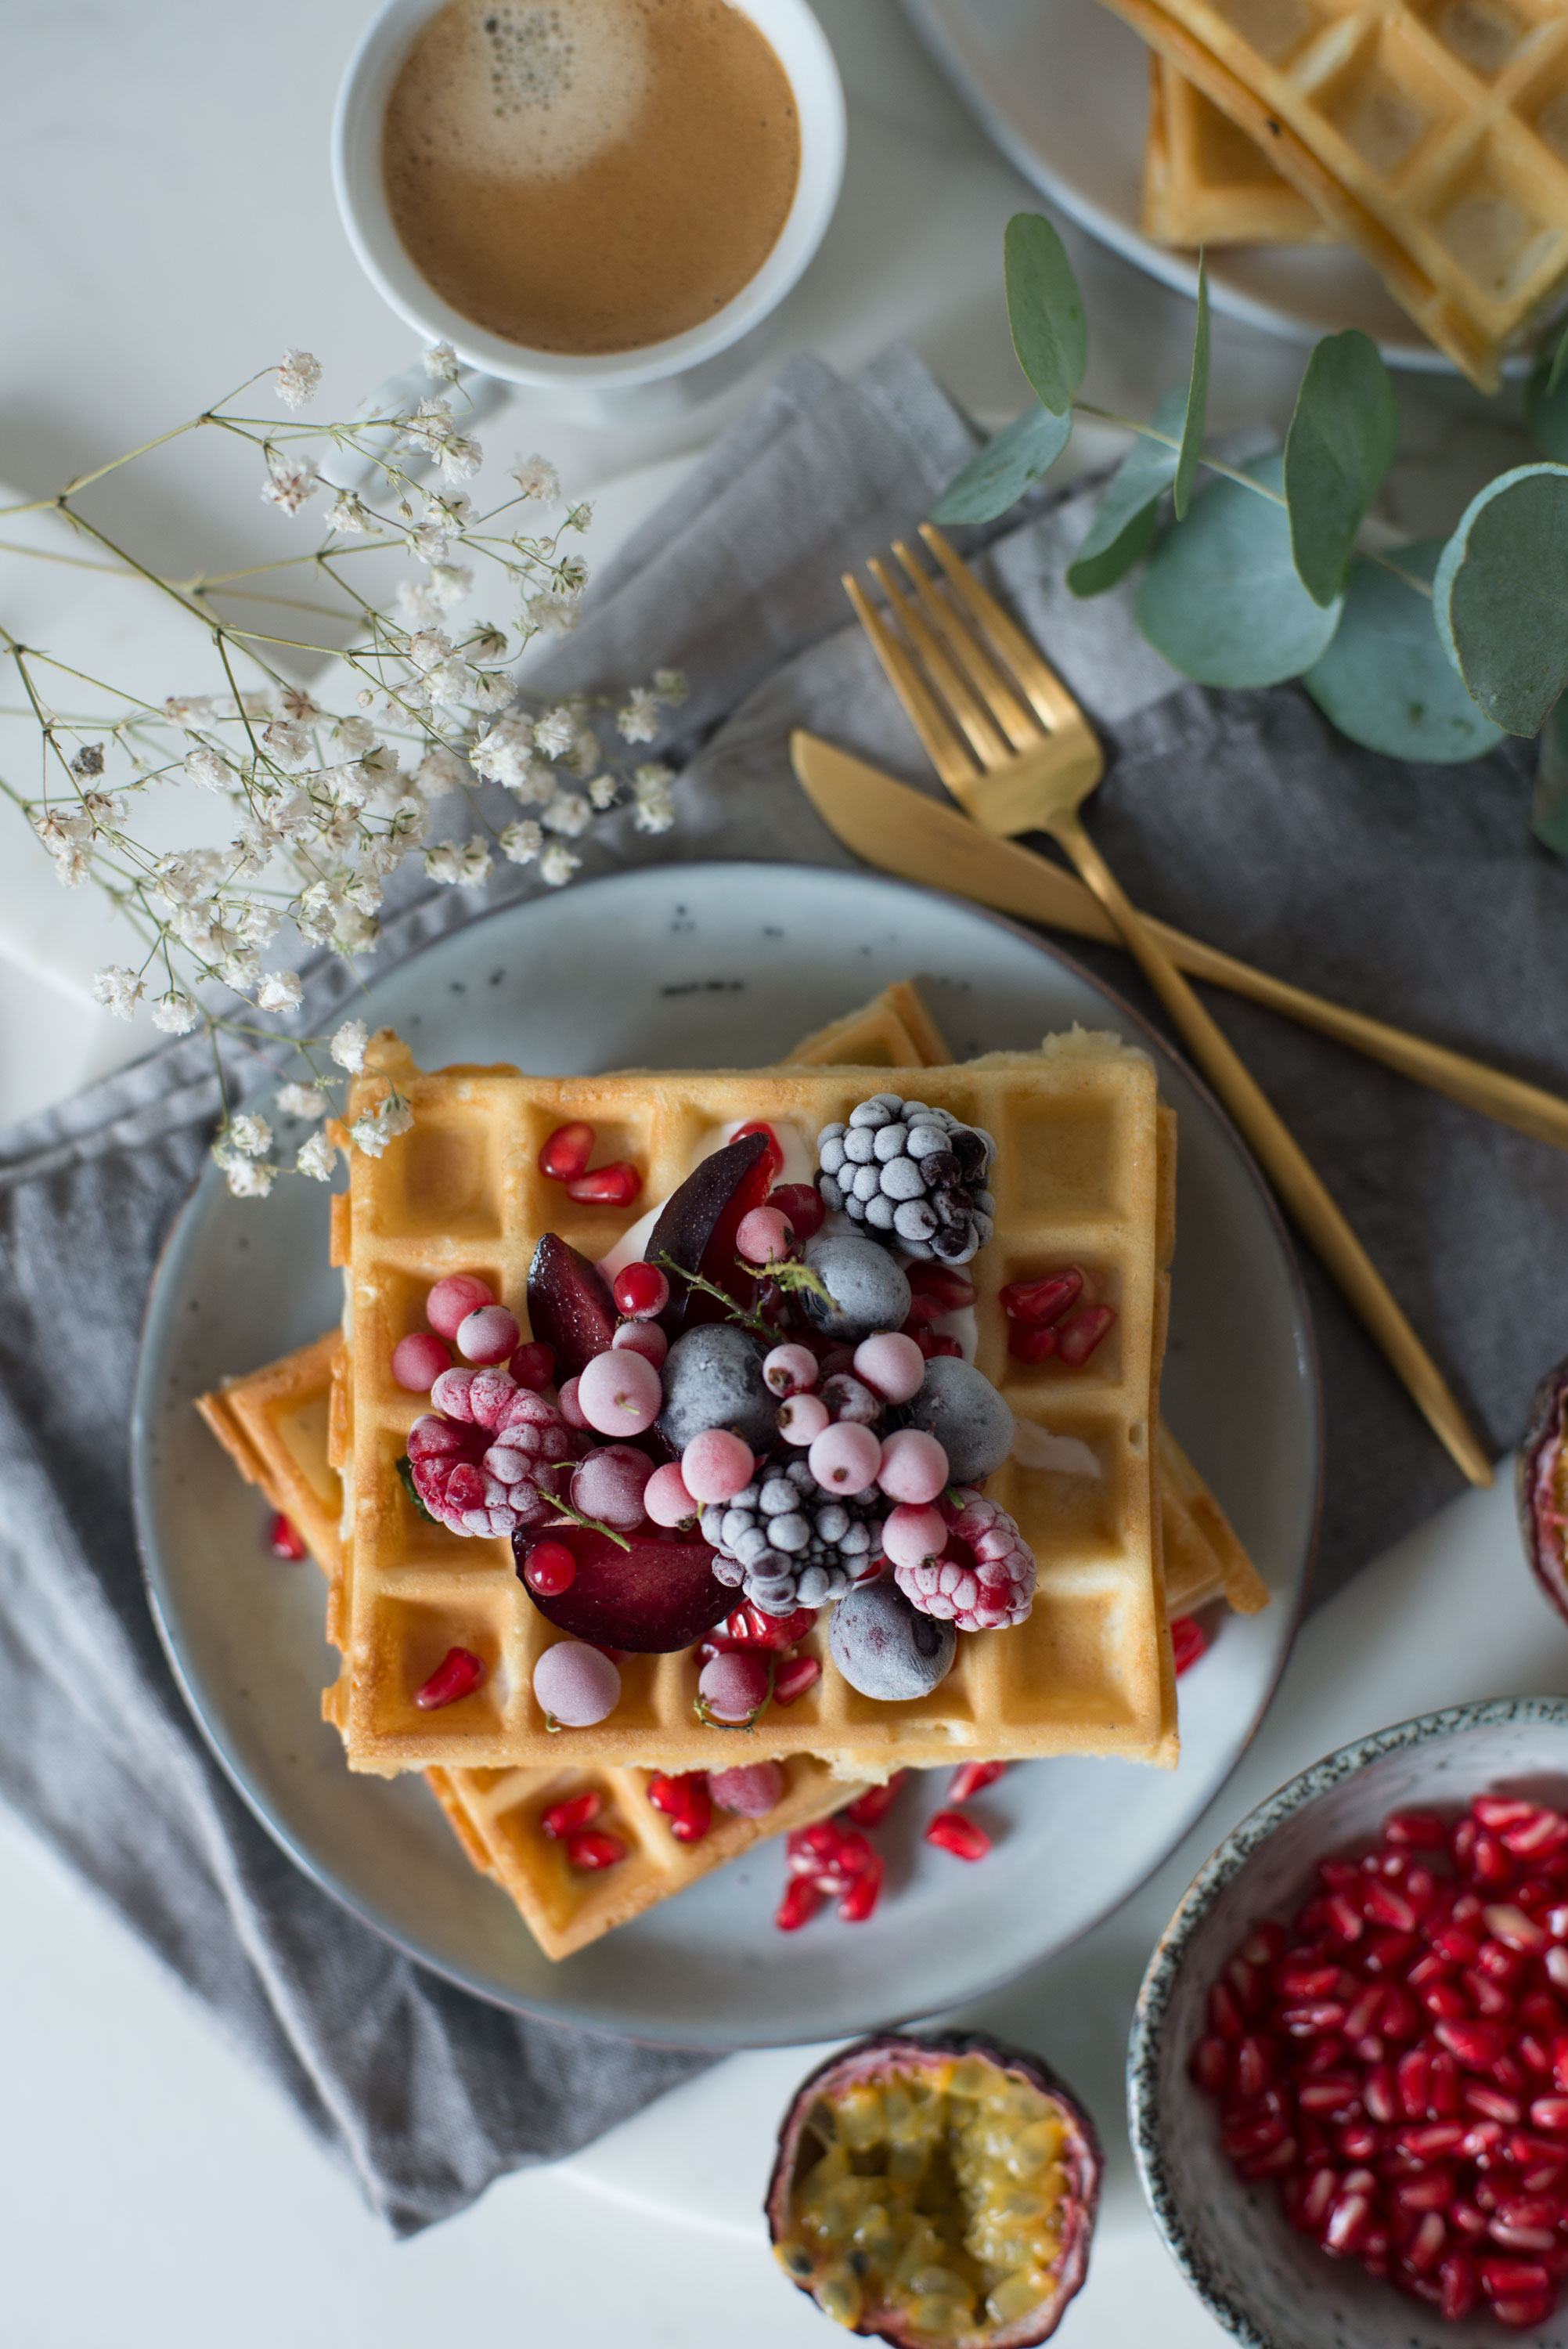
(710, 1720)
(753, 1321)
(571, 1516)
(551, 1725)
(792, 1277)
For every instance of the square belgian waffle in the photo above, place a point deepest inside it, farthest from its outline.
(1205, 181)
(275, 1425)
(1084, 1175)
(1431, 134)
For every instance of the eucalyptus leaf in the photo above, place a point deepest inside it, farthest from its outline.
(1385, 679)
(1549, 813)
(1220, 598)
(1124, 524)
(1010, 463)
(1341, 442)
(1547, 401)
(1500, 595)
(1044, 310)
(1197, 408)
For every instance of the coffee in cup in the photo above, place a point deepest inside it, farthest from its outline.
(586, 177)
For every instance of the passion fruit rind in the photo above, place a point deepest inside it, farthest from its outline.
(1541, 1489)
(937, 2190)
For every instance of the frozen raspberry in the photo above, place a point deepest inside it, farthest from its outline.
(645, 1338)
(789, 1368)
(890, 1364)
(451, 1301)
(418, 1361)
(763, 1235)
(984, 1579)
(716, 1466)
(913, 1467)
(489, 1335)
(476, 1397)
(666, 1498)
(486, 1473)
(619, 1392)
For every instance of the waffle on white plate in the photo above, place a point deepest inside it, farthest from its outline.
(1430, 134)
(1207, 182)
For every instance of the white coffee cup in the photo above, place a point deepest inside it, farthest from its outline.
(584, 386)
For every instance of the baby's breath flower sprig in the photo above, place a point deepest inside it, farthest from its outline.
(304, 803)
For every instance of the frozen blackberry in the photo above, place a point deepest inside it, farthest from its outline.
(788, 1544)
(913, 1176)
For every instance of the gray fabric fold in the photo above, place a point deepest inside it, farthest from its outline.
(1413, 894)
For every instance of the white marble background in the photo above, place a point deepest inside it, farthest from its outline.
(167, 228)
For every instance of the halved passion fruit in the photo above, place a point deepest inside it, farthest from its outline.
(936, 2190)
(1541, 1487)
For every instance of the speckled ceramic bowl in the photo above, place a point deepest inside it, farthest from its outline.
(1268, 2285)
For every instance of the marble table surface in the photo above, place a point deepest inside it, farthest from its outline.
(168, 228)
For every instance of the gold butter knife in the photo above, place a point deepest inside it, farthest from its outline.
(903, 832)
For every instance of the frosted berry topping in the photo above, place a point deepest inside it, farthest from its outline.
(640, 1290)
(489, 1335)
(575, 1685)
(984, 1580)
(419, 1360)
(620, 1392)
(451, 1300)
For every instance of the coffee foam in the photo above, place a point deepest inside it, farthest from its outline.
(523, 89)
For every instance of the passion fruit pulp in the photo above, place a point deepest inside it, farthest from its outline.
(937, 2191)
(1541, 1487)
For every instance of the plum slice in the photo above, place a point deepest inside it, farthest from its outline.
(697, 1225)
(650, 1598)
(569, 1307)
(1541, 1487)
(938, 2188)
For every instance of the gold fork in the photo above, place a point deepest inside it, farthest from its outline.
(1017, 753)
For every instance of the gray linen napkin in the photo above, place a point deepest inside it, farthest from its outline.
(1408, 892)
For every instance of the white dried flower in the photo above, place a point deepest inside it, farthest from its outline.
(602, 792)
(557, 615)
(555, 732)
(652, 799)
(209, 768)
(571, 574)
(569, 813)
(580, 515)
(354, 737)
(291, 815)
(182, 878)
(536, 477)
(491, 689)
(448, 583)
(241, 969)
(119, 990)
(458, 864)
(349, 516)
(106, 808)
(286, 744)
(316, 1157)
(522, 842)
(375, 1128)
(504, 755)
(297, 378)
(260, 923)
(280, 991)
(73, 863)
(250, 1134)
(173, 1014)
(558, 864)
(441, 361)
(339, 833)
(354, 933)
(440, 772)
(348, 1046)
(670, 685)
(429, 647)
(301, 1101)
(248, 1178)
(451, 682)
(431, 425)
(460, 460)
(639, 720)
(416, 607)
(290, 480)
(316, 916)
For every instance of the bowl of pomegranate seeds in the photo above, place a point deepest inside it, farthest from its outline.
(1347, 2081)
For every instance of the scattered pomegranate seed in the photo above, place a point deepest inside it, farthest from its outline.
(972, 1778)
(685, 1803)
(563, 1819)
(869, 1809)
(951, 1291)
(857, 1904)
(457, 1675)
(549, 1568)
(930, 1346)
(1081, 1332)
(1188, 1642)
(794, 1678)
(1383, 2062)
(589, 1850)
(1043, 1300)
(775, 1158)
(801, 1900)
(284, 1538)
(800, 1205)
(749, 1627)
(607, 1186)
(566, 1153)
(951, 1831)
(1029, 1343)
(640, 1290)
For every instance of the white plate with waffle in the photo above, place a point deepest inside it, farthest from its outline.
(713, 966)
(1062, 87)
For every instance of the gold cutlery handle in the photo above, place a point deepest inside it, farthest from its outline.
(1287, 1167)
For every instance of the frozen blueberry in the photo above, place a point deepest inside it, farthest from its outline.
(867, 1290)
(886, 1648)
(959, 1405)
(713, 1378)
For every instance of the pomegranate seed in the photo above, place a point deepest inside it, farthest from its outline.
(1225, 2016)
(1500, 2277)
(857, 1904)
(563, 1819)
(1488, 1861)
(1348, 2224)
(1309, 2022)
(952, 1290)
(1027, 1344)
(1298, 1978)
(566, 1153)
(1333, 2096)
(1386, 1953)
(1457, 2280)
(869, 1809)
(284, 1538)
(1515, 1929)
(794, 1678)
(1453, 1944)
(1381, 2095)
(1189, 1640)
(1526, 2223)
(549, 1568)
(1360, 2018)
(972, 1778)
(749, 1628)
(1433, 2189)
(1430, 2144)
(1263, 1944)
(1043, 1300)
(1399, 2018)
(457, 1675)
(1211, 2064)
(1249, 1984)
(1418, 1830)
(1523, 2310)
(1427, 2245)
(1491, 2104)
(1556, 1964)
(589, 1850)
(1550, 2112)
(1532, 1839)
(1081, 1332)
(607, 1186)
(1445, 2002)
(1344, 1917)
(1477, 2045)
(695, 1818)
(774, 1155)
(1382, 1905)
(801, 1900)
(951, 1831)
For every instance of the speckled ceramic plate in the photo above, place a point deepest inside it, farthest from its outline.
(702, 966)
(1265, 2283)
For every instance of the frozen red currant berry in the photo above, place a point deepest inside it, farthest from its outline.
(645, 1338)
(640, 1291)
(532, 1365)
(551, 1569)
(419, 1360)
(716, 1466)
(451, 1301)
(666, 1498)
(490, 1335)
(800, 1204)
(763, 1235)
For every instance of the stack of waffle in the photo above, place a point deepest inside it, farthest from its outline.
(1433, 137)
(1092, 1161)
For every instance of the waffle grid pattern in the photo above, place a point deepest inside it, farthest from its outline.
(1434, 133)
(1205, 181)
(1078, 1182)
